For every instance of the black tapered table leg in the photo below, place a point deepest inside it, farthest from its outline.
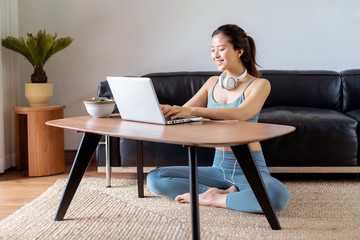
(247, 163)
(81, 162)
(139, 166)
(194, 198)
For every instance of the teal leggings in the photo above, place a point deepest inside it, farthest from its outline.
(224, 173)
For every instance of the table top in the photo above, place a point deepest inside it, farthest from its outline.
(205, 133)
(25, 109)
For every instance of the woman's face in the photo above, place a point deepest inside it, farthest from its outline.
(223, 53)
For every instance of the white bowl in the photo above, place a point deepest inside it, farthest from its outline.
(99, 109)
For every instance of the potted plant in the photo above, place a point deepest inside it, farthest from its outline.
(37, 49)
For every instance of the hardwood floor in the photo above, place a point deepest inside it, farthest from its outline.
(17, 189)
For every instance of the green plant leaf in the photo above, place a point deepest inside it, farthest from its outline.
(37, 49)
(32, 46)
(17, 45)
(45, 44)
(58, 45)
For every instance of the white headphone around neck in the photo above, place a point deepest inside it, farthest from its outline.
(229, 82)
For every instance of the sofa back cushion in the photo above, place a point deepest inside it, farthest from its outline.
(316, 89)
(351, 89)
(176, 88)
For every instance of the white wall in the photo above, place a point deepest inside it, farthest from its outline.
(118, 37)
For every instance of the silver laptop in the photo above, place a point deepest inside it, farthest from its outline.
(136, 100)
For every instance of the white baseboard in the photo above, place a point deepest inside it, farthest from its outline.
(124, 169)
(319, 169)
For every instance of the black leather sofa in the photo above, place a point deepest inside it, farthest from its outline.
(324, 106)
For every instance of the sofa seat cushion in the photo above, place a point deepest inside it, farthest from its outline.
(322, 137)
(162, 154)
(354, 114)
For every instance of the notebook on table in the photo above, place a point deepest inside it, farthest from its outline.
(136, 100)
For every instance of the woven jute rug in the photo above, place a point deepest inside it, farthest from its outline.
(317, 210)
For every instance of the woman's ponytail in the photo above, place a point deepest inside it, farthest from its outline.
(251, 65)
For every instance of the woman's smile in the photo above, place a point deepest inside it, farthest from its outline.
(219, 62)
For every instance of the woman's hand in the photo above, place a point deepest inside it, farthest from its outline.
(175, 111)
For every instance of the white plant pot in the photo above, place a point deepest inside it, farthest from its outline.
(39, 94)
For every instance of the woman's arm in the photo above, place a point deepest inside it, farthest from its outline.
(254, 100)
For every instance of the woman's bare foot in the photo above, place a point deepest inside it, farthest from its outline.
(214, 197)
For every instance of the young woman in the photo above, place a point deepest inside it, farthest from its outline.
(227, 97)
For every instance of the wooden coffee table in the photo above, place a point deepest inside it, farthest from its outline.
(234, 134)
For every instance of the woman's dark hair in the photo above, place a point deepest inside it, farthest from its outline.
(240, 40)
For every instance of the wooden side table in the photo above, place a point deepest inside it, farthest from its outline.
(40, 148)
